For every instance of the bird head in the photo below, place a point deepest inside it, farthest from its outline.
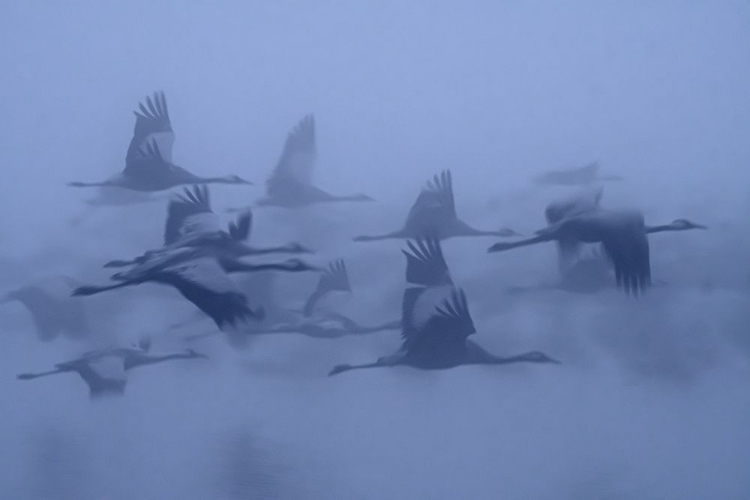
(539, 357)
(683, 224)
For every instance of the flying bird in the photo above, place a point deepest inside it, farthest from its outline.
(192, 223)
(53, 311)
(623, 235)
(105, 371)
(577, 176)
(148, 162)
(435, 319)
(290, 184)
(434, 212)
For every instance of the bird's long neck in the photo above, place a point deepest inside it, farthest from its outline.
(390, 325)
(93, 290)
(237, 266)
(507, 245)
(394, 235)
(29, 376)
(491, 359)
(90, 184)
(344, 368)
(662, 228)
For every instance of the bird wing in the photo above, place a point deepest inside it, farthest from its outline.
(147, 161)
(190, 213)
(152, 121)
(435, 201)
(626, 243)
(435, 314)
(241, 228)
(295, 166)
(333, 278)
(204, 283)
(425, 263)
(568, 249)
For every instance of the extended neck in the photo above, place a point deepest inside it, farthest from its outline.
(236, 266)
(500, 247)
(344, 368)
(394, 235)
(90, 184)
(92, 290)
(664, 227)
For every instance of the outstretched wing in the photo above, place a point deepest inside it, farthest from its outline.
(297, 158)
(204, 283)
(626, 243)
(152, 122)
(240, 229)
(568, 250)
(334, 278)
(147, 161)
(190, 213)
(434, 204)
(437, 315)
(425, 263)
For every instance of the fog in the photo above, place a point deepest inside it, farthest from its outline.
(651, 398)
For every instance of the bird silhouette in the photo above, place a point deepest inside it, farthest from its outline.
(105, 370)
(53, 311)
(290, 184)
(434, 212)
(148, 162)
(435, 319)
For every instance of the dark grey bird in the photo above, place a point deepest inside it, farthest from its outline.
(53, 311)
(435, 320)
(577, 176)
(202, 278)
(623, 235)
(290, 185)
(148, 162)
(192, 223)
(105, 370)
(434, 212)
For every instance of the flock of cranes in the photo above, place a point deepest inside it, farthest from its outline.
(206, 261)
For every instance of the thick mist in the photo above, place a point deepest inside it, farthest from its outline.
(651, 400)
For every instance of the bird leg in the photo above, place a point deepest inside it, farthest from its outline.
(381, 362)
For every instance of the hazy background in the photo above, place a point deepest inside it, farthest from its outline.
(652, 400)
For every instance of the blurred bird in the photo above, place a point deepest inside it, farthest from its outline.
(435, 321)
(434, 212)
(577, 176)
(53, 311)
(192, 223)
(308, 321)
(104, 371)
(148, 162)
(290, 184)
(623, 235)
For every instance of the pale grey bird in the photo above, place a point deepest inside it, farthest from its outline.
(290, 185)
(434, 212)
(577, 176)
(435, 321)
(105, 370)
(52, 309)
(148, 162)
